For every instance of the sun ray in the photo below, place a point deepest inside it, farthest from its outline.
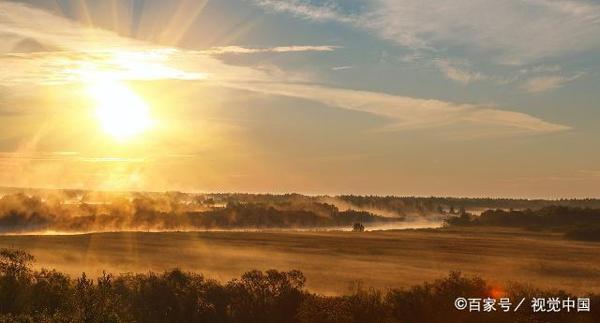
(236, 31)
(85, 13)
(115, 16)
(182, 20)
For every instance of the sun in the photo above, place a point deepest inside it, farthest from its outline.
(119, 110)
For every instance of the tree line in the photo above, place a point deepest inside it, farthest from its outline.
(577, 223)
(20, 213)
(28, 295)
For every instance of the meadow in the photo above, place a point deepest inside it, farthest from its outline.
(332, 261)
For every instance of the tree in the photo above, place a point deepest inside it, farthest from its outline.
(358, 227)
(14, 262)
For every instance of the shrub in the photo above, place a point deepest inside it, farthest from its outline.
(273, 296)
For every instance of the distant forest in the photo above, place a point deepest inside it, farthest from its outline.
(404, 205)
(578, 223)
(28, 296)
(33, 210)
(433, 204)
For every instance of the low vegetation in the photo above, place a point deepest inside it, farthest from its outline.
(577, 223)
(28, 295)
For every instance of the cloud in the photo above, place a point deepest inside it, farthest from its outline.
(280, 49)
(27, 29)
(341, 68)
(85, 52)
(64, 51)
(547, 83)
(305, 9)
(461, 75)
(507, 32)
(546, 69)
(81, 66)
(406, 113)
(41, 48)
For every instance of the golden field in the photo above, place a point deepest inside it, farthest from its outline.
(331, 261)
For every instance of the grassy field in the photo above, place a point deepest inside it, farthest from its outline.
(331, 261)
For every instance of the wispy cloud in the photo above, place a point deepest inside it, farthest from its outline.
(305, 9)
(80, 66)
(280, 49)
(132, 59)
(458, 74)
(545, 69)
(28, 29)
(547, 83)
(406, 113)
(508, 32)
(341, 68)
(63, 51)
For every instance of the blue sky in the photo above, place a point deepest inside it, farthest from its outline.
(477, 98)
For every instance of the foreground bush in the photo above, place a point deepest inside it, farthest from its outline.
(28, 295)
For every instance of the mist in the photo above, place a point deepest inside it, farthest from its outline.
(75, 211)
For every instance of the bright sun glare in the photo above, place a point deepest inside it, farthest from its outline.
(120, 111)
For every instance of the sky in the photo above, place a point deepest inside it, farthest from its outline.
(402, 97)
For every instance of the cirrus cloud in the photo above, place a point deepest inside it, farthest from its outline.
(458, 74)
(547, 83)
(507, 32)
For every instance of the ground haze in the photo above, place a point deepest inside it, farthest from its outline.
(332, 261)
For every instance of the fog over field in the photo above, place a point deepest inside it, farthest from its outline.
(331, 261)
(223, 235)
(25, 211)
